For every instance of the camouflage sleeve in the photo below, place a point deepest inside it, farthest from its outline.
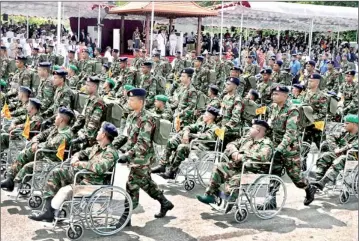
(208, 135)
(322, 108)
(55, 142)
(19, 120)
(190, 105)
(167, 114)
(352, 107)
(3, 68)
(83, 155)
(130, 78)
(253, 70)
(235, 120)
(105, 163)
(26, 80)
(332, 139)
(264, 153)
(240, 88)
(19, 111)
(291, 130)
(193, 128)
(44, 134)
(48, 97)
(95, 120)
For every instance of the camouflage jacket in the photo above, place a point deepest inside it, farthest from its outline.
(200, 79)
(157, 69)
(63, 97)
(34, 61)
(149, 84)
(35, 122)
(115, 68)
(137, 63)
(352, 106)
(73, 62)
(223, 70)
(306, 79)
(349, 90)
(178, 66)
(277, 77)
(18, 109)
(93, 112)
(166, 113)
(284, 124)
(98, 161)
(250, 70)
(345, 66)
(74, 82)
(85, 68)
(45, 93)
(214, 102)
(286, 64)
(264, 89)
(3, 70)
(201, 131)
(343, 140)
(125, 77)
(231, 111)
(187, 104)
(22, 77)
(318, 101)
(209, 63)
(50, 57)
(332, 80)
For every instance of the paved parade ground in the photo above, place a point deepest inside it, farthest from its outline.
(326, 219)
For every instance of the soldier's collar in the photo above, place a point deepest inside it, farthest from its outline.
(63, 130)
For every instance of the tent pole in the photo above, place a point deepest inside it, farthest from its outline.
(152, 19)
(310, 37)
(58, 24)
(78, 25)
(338, 39)
(27, 26)
(240, 41)
(221, 39)
(278, 38)
(99, 27)
(356, 37)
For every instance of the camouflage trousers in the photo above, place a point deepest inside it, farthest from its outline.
(24, 157)
(325, 160)
(224, 173)
(336, 167)
(140, 177)
(181, 153)
(58, 178)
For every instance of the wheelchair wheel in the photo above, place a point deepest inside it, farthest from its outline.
(76, 233)
(241, 215)
(108, 211)
(27, 188)
(35, 202)
(204, 168)
(304, 151)
(188, 185)
(344, 197)
(268, 196)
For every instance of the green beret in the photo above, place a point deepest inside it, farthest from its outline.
(161, 98)
(129, 87)
(296, 102)
(56, 67)
(351, 118)
(2, 83)
(73, 67)
(111, 82)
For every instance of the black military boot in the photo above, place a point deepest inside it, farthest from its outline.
(168, 175)
(310, 193)
(47, 215)
(158, 169)
(321, 184)
(8, 184)
(165, 206)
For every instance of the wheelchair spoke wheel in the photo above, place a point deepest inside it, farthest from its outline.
(344, 196)
(268, 196)
(35, 202)
(76, 233)
(108, 210)
(188, 185)
(24, 189)
(205, 167)
(241, 215)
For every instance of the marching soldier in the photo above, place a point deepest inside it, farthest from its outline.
(200, 78)
(98, 160)
(162, 110)
(349, 89)
(139, 153)
(265, 87)
(285, 136)
(45, 90)
(48, 139)
(22, 77)
(331, 78)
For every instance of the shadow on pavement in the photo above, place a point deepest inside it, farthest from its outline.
(16, 207)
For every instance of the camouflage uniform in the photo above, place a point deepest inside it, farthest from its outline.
(148, 83)
(332, 80)
(200, 131)
(95, 159)
(186, 105)
(214, 102)
(158, 69)
(352, 106)
(200, 79)
(223, 70)
(178, 66)
(18, 109)
(115, 68)
(85, 69)
(137, 63)
(285, 137)
(45, 93)
(208, 63)
(231, 111)
(49, 57)
(248, 111)
(345, 66)
(175, 92)
(264, 89)
(126, 76)
(63, 97)
(249, 72)
(34, 61)
(230, 173)
(306, 79)
(349, 90)
(139, 130)
(165, 113)
(319, 102)
(4, 66)
(74, 82)
(48, 139)
(344, 141)
(286, 63)
(22, 77)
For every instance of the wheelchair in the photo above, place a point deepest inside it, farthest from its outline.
(105, 209)
(255, 193)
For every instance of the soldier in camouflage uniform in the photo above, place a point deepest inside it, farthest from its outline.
(265, 87)
(285, 136)
(115, 65)
(349, 89)
(318, 100)
(73, 79)
(149, 83)
(107, 88)
(2, 90)
(126, 76)
(98, 160)
(339, 157)
(34, 59)
(180, 143)
(225, 68)
(252, 148)
(139, 152)
(200, 78)
(137, 61)
(162, 110)
(97, 56)
(157, 66)
(33, 111)
(22, 77)
(286, 62)
(213, 99)
(85, 66)
(18, 108)
(276, 73)
(48, 139)
(310, 69)
(71, 58)
(4, 63)
(235, 72)
(63, 94)
(208, 62)
(45, 91)
(89, 122)
(123, 101)
(331, 78)
(50, 56)
(298, 92)
(249, 107)
(345, 65)
(178, 65)
(249, 72)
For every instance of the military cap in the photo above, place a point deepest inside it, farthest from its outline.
(128, 87)
(115, 50)
(294, 54)
(350, 72)
(60, 72)
(136, 50)
(36, 49)
(261, 123)
(35, 102)
(66, 111)
(110, 129)
(315, 76)
(148, 64)
(351, 118)
(311, 62)
(279, 62)
(71, 51)
(85, 51)
(281, 88)
(3, 47)
(22, 58)
(56, 67)
(25, 89)
(19, 47)
(137, 92)
(188, 71)
(73, 67)
(214, 89)
(236, 68)
(162, 98)
(94, 79)
(213, 111)
(45, 64)
(299, 86)
(123, 59)
(111, 82)
(266, 71)
(2, 83)
(331, 62)
(200, 58)
(233, 80)
(254, 93)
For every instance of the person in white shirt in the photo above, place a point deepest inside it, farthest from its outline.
(173, 43)
(108, 54)
(161, 38)
(27, 48)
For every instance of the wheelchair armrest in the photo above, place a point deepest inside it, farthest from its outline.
(84, 172)
(195, 141)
